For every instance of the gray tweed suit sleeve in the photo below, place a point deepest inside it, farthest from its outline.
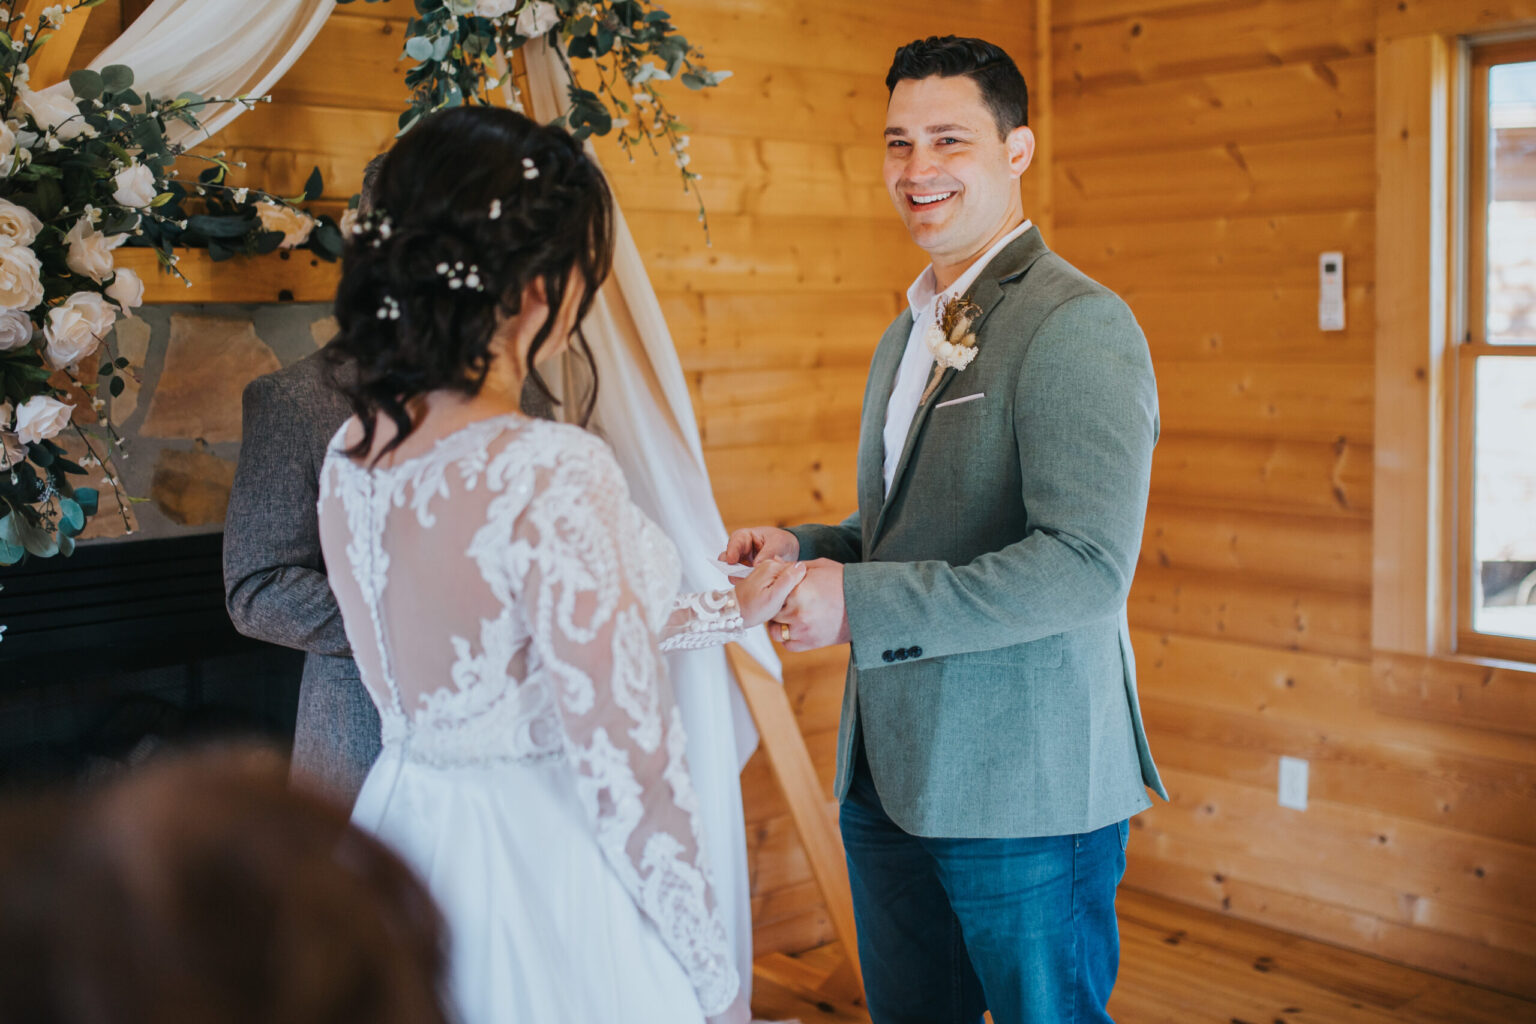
(841, 543)
(274, 579)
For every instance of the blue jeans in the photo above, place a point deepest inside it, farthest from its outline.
(949, 928)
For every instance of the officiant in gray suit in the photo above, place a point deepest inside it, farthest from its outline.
(991, 750)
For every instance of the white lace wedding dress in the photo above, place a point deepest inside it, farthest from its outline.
(507, 605)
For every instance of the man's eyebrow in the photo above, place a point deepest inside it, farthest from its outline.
(933, 129)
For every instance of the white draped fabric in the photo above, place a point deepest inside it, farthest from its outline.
(214, 48)
(644, 411)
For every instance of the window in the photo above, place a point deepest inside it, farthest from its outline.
(1494, 468)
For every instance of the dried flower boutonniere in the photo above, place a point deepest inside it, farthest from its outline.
(951, 339)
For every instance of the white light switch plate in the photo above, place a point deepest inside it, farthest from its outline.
(1330, 291)
(1293, 783)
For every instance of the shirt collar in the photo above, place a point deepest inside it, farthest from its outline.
(921, 294)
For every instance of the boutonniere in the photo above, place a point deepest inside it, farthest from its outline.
(951, 339)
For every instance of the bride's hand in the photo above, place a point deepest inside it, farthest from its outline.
(761, 595)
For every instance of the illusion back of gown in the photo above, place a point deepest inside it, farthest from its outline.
(507, 605)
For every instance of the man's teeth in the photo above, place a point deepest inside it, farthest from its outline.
(925, 200)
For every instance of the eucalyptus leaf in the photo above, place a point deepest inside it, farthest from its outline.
(88, 498)
(418, 48)
(117, 77)
(87, 84)
(71, 514)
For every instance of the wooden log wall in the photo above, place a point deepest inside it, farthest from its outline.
(1206, 153)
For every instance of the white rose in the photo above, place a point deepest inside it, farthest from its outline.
(126, 290)
(56, 110)
(18, 222)
(15, 332)
(8, 153)
(294, 224)
(536, 19)
(135, 186)
(90, 251)
(41, 417)
(21, 276)
(76, 328)
(494, 8)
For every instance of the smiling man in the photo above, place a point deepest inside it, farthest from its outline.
(991, 751)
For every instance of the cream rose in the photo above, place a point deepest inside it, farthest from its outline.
(294, 224)
(494, 8)
(15, 331)
(21, 276)
(135, 186)
(126, 290)
(90, 251)
(76, 328)
(536, 19)
(41, 417)
(9, 155)
(18, 223)
(55, 110)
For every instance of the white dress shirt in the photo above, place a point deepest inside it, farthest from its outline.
(917, 362)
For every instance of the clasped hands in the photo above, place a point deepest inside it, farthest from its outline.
(802, 600)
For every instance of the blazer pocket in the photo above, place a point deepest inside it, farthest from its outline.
(960, 401)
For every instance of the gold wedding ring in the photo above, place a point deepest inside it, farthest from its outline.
(784, 632)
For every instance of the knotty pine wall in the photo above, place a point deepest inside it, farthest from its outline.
(1205, 153)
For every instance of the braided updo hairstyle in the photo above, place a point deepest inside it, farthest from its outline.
(470, 206)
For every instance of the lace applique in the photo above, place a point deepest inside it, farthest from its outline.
(702, 620)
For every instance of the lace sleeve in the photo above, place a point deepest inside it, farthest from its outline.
(624, 738)
(702, 620)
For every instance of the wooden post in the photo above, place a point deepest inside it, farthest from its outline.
(52, 61)
(796, 776)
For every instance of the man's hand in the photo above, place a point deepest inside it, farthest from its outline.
(815, 612)
(757, 544)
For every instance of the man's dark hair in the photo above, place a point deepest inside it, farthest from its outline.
(988, 65)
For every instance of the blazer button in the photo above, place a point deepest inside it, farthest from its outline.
(901, 654)
(916, 652)
(889, 655)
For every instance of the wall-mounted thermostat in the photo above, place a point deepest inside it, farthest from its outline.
(1330, 291)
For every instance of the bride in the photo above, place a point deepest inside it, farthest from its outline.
(506, 601)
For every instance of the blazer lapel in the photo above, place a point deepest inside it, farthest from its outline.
(986, 293)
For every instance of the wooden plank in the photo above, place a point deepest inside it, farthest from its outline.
(51, 63)
(805, 483)
(1232, 606)
(775, 254)
(1144, 45)
(1475, 795)
(1268, 476)
(1234, 179)
(1302, 688)
(353, 62)
(778, 330)
(1280, 400)
(1241, 252)
(781, 740)
(1490, 876)
(1411, 344)
(783, 406)
(754, 176)
(1397, 19)
(1254, 324)
(300, 277)
(1252, 900)
(1476, 694)
(1313, 551)
(1286, 101)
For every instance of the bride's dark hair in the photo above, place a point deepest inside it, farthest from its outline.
(470, 206)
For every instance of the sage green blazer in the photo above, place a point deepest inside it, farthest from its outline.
(991, 673)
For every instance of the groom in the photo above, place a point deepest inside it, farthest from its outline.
(991, 749)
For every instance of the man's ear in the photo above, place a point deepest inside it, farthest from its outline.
(1021, 149)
